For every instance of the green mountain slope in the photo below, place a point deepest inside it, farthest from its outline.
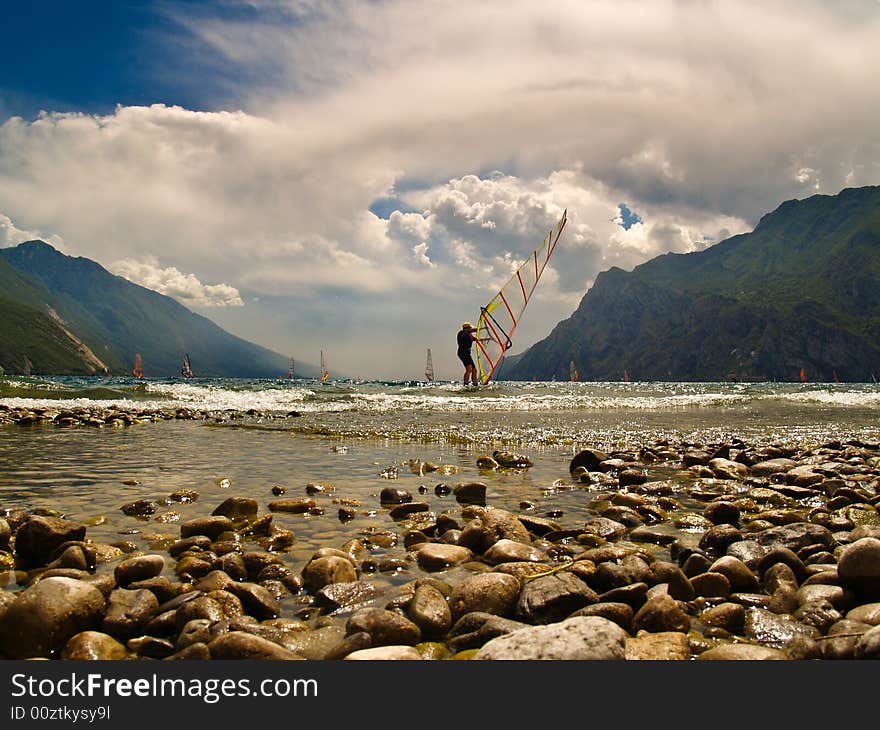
(116, 318)
(800, 291)
(31, 338)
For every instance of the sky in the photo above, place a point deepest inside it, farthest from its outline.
(360, 177)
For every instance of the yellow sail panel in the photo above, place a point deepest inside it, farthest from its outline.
(499, 318)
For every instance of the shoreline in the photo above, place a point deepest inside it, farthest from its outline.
(721, 550)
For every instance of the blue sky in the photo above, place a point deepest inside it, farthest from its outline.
(360, 177)
(89, 56)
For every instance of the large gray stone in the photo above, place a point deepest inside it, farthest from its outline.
(580, 638)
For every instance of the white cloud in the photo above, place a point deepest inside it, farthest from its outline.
(186, 288)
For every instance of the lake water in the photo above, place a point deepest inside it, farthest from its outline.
(361, 437)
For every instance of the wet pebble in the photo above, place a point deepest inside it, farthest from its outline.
(93, 645)
(385, 628)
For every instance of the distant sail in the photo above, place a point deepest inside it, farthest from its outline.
(186, 371)
(290, 370)
(836, 379)
(325, 373)
(138, 369)
(573, 374)
(500, 317)
(429, 368)
(625, 376)
(804, 376)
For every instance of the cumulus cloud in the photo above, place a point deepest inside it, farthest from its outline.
(701, 116)
(186, 288)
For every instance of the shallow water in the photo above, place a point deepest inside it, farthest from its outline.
(348, 434)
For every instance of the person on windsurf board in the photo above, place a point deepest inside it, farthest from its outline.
(466, 339)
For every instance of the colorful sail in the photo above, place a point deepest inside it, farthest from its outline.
(625, 376)
(500, 317)
(290, 370)
(186, 371)
(138, 369)
(429, 368)
(325, 373)
(573, 374)
(804, 376)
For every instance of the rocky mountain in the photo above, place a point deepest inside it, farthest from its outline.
(800, 291)
(68, 315)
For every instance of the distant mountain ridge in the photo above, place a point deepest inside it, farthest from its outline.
(800, 291)
(68, 315)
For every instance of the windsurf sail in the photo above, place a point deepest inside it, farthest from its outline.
(325, 373)
(573, 373)
(836, 379)
(625, 376)
(429, 368)
(500, 317)
(290, 370)
(138, 369)
(186, 371)
(804, 376)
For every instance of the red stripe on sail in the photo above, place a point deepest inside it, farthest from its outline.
(523, 287)
(509, 310)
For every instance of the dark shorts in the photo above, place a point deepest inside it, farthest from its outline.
(466, 359)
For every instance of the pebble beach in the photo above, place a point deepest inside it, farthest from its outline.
(175, 531)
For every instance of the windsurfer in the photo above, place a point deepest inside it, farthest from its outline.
(466, 338)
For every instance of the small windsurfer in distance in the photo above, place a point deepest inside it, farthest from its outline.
(466, 338)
